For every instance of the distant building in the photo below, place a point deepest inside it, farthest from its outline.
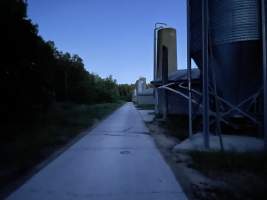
(143, 95)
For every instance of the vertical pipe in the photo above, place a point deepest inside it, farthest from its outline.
(157, 27)
(264, 63)
(155, 53)
(155, 69)
(205, 72)
(189, 71)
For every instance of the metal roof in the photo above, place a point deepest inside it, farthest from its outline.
(180, 75)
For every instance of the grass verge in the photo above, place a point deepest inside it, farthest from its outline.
(244, 175)
(44, 135)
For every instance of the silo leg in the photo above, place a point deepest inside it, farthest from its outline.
(205, 75)
(264, 56)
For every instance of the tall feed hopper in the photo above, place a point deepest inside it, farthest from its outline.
(166, 37)
(235, 46)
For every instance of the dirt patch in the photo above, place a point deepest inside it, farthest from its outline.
(213, 176)
(180, 163)
(244, 174)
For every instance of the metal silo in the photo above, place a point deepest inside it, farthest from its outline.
(235, 45)
(166, 37)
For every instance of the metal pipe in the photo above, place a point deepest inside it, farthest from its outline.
(264, 65)
(155, 53)
(189, 75)
(237, 108)
(160, 23)
(157, 27)
(205, 72)
(193, 101)
(232, 107)
(166, 87)
(217, 106)
(177, 92)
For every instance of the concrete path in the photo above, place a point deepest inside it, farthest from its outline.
(117, 160)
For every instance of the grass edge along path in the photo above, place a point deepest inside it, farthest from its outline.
(52, 132)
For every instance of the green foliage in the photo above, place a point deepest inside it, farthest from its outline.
(34, 73)
(47, 96)
(125, 91)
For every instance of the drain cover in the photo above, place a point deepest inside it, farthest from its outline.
(125, 152)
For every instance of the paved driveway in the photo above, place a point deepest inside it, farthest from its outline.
(117, 160)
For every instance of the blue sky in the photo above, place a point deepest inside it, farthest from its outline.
(113, 37)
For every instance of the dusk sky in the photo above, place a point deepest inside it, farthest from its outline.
(113, 37)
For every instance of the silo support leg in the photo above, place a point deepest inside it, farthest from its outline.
(264, 56)
(205, 75)
(190, 131)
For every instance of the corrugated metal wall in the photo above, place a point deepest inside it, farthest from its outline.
(230, 21)
(235, 46)
(234, 20)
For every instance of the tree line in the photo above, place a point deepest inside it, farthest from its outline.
(34, 73)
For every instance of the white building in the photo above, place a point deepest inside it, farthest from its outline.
(143, 95)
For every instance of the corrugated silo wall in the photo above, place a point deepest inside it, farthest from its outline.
(266, 17)
(235, 46)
